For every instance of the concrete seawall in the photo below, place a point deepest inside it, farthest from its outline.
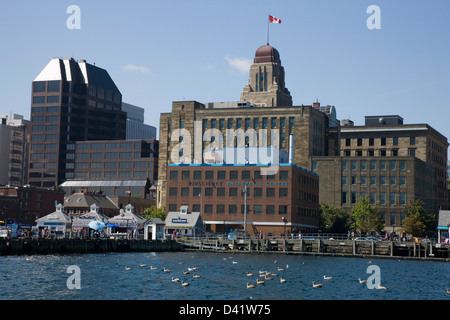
(11, 246)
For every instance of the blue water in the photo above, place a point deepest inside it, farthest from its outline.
(103, 276)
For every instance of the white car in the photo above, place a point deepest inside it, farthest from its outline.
(3, 233)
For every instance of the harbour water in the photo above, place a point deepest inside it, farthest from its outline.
(223, 276)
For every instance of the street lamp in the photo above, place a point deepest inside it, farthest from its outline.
(245, 209)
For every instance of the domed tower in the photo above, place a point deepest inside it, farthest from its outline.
(266, 86)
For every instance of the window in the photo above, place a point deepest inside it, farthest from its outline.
(185, 192)
(371, 141)
(402, 181)
(221, 124)
(257, 209)
(395, 141)
(383, 141)
(173, 192)
(197, 175)
(126, 145)
(208, 208)
(221, 192)
(173, 175)
(344, 165)
(344, 180)
(392, 180)
(257, 175)
(354, 180)
(373, 180)
(373, 198)
(124, 155)
(208, 192)
(353, 165)
(220, 208)
(221, 175)
(270, 192)
(373, 165)
(110, 165)
(238, 123)
(273, 123)
(53, 99)
(283, 175)
(197, 192)
(353, 197)
(344, 197)
(383, 198)
(393, 165)
(382, 165)
(363, 180)
(257, 192)
(111, 145)
(282, 209)
(270, 209)
(232, 208)
(412, 152)
(382, 180)
(412, 141)
(392, 201)
(264, 123)
(359, 142)
(232, 192)
(392, 218)
(348, 142)
(230, 123)
(291, 122)
(233, 175)
(283, 192)
(209, 175)
(39, 86)
(53, 86)
(403, 165)
(402, 198)
(246, 174)
(363, 165)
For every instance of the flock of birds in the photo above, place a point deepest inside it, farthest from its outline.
(261, 279)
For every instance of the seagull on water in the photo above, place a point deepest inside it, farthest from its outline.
(317, 285)
(327, 278)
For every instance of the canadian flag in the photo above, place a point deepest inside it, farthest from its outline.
(274, 20)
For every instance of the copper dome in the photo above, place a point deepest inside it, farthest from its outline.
(266, 54)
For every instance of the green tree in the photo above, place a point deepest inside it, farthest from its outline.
(154, 212)
(365, 217)
(417, 222)
(333, 219)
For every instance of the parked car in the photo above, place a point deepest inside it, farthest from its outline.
(3, 233)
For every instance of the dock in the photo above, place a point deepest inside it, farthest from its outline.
(30, 246)
(353, 248)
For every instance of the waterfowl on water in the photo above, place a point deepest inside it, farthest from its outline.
(196, 276)
(175, 279)
(250, 285)
(317, 285)
(260, 281)
(282, 280)
(327, 278)
(153, 268)
(381, 287)
(166, 270)
(127, 268)
(362, 281)
(249, 274)
(184, 284)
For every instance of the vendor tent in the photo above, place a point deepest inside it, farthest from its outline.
(128, 221)
(82, 222)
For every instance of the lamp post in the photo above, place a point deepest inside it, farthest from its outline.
(245, 210)
(284, 230)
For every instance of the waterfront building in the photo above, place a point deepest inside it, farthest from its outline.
(128, 223)
(58, 223)
(71, 101)
(13, 150)
(25, 205)
(80, 224)
(443, 227)
(389, 162)
(183, 223)
(154, 229)
(79, 204)
(239, 196)
(267, 118)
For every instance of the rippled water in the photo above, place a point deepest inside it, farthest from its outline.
(103, 276)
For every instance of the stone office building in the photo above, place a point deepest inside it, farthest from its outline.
(286, 202)
(264, 116)
(389, 162)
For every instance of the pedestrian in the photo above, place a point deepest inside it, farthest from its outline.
(260, 234)
(348, 235)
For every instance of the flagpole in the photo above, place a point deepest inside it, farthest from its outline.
(268, 24)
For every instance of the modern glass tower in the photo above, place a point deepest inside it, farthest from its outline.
(71, 101)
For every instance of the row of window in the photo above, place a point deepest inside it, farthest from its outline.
(233, 209)
(111, 174)
(45, 119)
(381, 152)
(111, 145)
(382, 140)
(232, 192)
(247, 123)
(46, 86)
(373, 165)
(110, 165)
(352, 198)
(221, 175)
(45, 109)
(373, 180)
(110, 155)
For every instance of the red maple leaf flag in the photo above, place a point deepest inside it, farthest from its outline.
(274, 20)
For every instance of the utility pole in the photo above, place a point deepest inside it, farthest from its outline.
(245, 209)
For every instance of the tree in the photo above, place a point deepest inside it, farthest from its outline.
(333, 219)
(417, 222)
(154, 212)
(365, 217)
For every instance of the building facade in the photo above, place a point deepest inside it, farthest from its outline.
(71, 101)
(238, 197)
(389, 162)
(13, 149)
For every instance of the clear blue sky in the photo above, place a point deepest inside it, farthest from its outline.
(163, 51)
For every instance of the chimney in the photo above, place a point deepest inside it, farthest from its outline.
(316, 104)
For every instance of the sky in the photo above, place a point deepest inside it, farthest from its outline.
(162, 51)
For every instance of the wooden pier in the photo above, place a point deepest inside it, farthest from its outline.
(365, 248)
(29, 246)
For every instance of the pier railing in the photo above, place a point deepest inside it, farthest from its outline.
(320, 245)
